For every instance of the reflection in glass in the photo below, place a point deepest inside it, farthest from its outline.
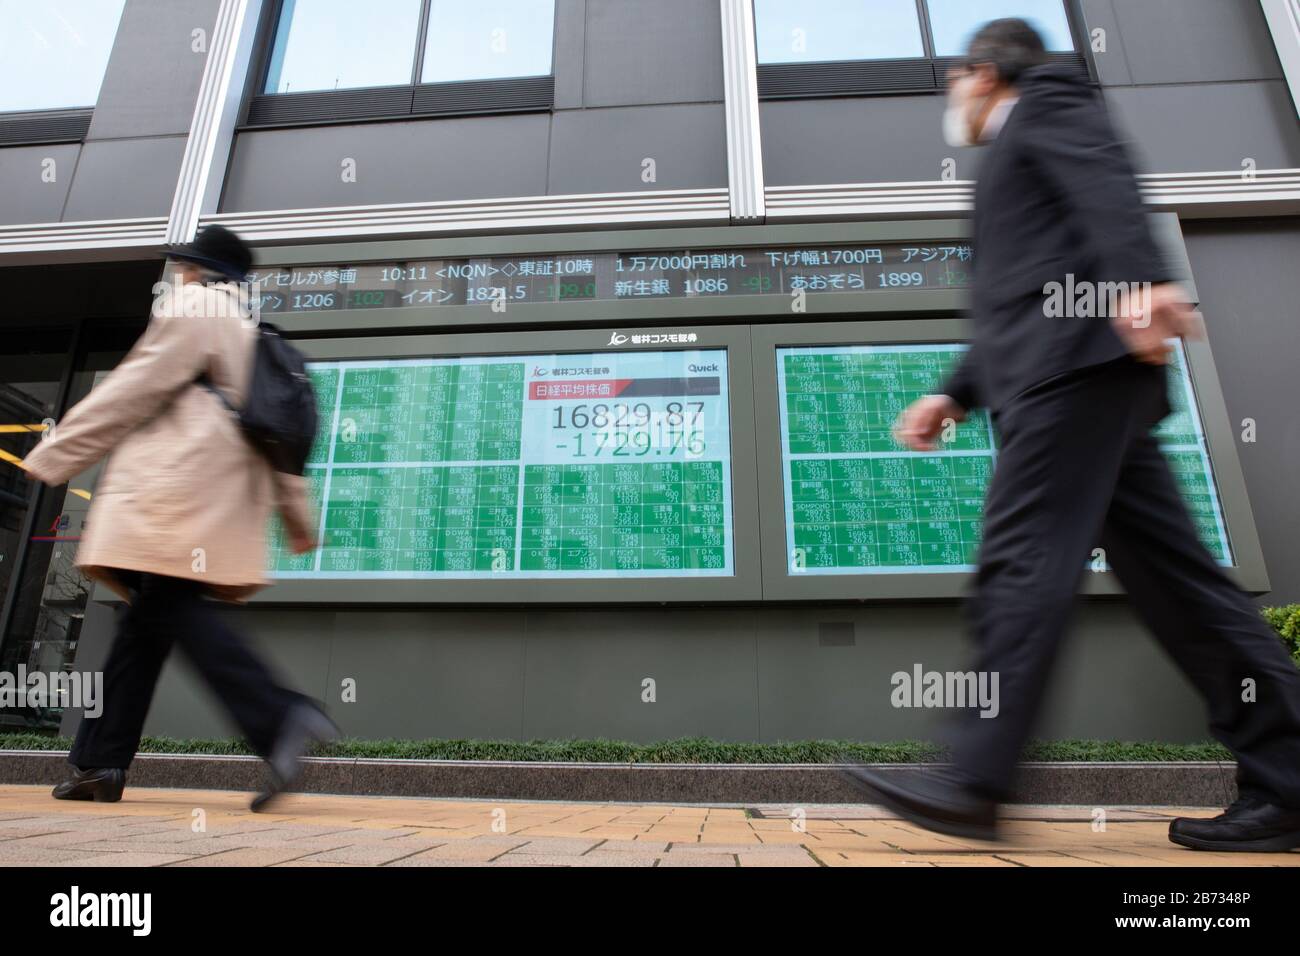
(29, 388)
(488, 39)
(809, 31)
(954, 22)
(53, 53)
(340, 44)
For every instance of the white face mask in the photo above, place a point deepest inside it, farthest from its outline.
(956, 131)
(956, 118)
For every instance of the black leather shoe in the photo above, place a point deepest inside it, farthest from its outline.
(933, 799)
(1248, 826)
(304, 724)
(103, 785)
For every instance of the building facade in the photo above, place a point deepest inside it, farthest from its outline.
(609, 303)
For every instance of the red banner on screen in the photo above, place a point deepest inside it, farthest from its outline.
(591, 388)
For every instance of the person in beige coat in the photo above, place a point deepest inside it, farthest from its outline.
(180, 514)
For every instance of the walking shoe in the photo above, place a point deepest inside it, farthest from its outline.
(304, 724)
(933, 799)
(1248, 826)
(103, 785)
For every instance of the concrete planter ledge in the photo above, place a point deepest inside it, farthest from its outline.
(1187, 784)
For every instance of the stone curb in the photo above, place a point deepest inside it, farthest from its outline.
(1185, 784)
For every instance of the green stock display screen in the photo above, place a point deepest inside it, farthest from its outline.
(525, 466)
(858, 503)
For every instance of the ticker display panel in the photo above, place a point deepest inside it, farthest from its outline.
(856, 502)
(567, 466)
(615, 276)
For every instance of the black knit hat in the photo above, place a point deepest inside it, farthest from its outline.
(217, 248)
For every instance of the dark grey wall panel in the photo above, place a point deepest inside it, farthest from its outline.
(1214, 126)
(729, 673)
(1196, 41)
(595, 151)
(1181, 128)
(440, 674)
(567, 65)
(857, 140)
(291, 642)
(153, 76)
(840, 688)
(586, 668)
(1112, 62)
(1112, 681)
(125, 178)
(27, 197)
(420, 160)
(1245, 274)
(669, 51)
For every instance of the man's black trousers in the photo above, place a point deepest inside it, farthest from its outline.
(1079, 470)
(167, 611)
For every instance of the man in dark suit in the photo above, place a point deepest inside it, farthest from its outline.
(1075, 399)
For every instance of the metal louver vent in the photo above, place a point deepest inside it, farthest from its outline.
(45, 126)
(396, 102)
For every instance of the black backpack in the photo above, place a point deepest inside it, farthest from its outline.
(279, 415)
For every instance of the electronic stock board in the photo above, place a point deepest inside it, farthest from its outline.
(546, 466)
(856, 502)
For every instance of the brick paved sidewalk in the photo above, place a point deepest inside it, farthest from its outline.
(160, 828)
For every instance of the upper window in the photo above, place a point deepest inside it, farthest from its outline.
(954, 22)
(53, 53)
(814, 31)
(848, 47)
(810, 31)
(488, 39)
(342, 45)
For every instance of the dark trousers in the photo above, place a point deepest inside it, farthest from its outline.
(165, 611)
(1079, 470)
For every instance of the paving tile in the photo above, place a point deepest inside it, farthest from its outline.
(433, 861)
(697, 859)
(1047, 859)
(618, 859)
(872, 859)
(470, 850)
(979, 860)
(783, 837)
(132, 859)
(153, 828)
(571, 846)
(519, 858)
(22, 854)
(27, 833)
(249, 856)
(720, 847)
(368, 854)
(313, 863)
(632, 846)
(89, 845)
(794, 856)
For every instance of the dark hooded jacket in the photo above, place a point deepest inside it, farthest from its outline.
(1056, 202)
